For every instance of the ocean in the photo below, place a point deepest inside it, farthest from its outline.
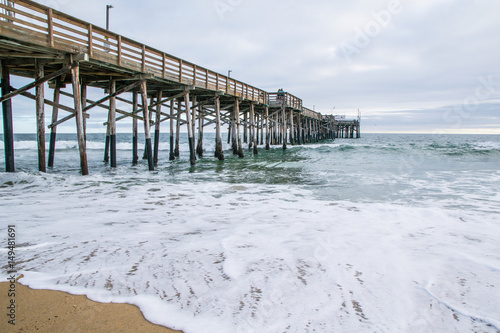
(386, 233)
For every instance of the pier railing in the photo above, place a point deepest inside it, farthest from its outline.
(279, 99)
(35, 23)
(311, 114)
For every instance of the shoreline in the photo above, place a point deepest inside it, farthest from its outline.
(46, 310)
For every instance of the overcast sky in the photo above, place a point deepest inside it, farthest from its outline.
(409, 66)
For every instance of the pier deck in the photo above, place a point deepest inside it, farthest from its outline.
(46, 45)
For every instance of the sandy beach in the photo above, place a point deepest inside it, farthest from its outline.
(55, 311)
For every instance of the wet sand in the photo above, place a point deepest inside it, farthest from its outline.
(55, 311)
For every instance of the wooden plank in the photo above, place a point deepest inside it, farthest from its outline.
(68, 29)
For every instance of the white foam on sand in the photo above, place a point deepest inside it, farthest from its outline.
(217, 257)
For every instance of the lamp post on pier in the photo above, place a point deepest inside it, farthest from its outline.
(108, 7)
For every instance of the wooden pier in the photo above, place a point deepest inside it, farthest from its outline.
(46, 45)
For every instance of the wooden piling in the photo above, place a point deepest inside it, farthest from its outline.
(300, 137)
(284, 126)
(112, 122)
(201, 123)
(8, 128)
(147, 133)
(237, 116)
(292, 129)
(267, 127)
(234, 140)
(219, 153)
(80, 130)
(83, 93)
(172, 110)
(40, 116)
(157, 127)
(135, 130)
(261, 126)
(257, 128)
(53, 130)
(245, 129)
(194, 114)
(106, 144)
(253, 136)
(177, 129)
(192, 153)
(251, 128)
(152, 101)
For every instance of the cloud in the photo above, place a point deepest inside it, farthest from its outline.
(425, 55)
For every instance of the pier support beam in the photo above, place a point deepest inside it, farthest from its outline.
(201, 123)
(284, 127)
(53, 130)
(300, 137)
(112, 124)
(172, 109)
(80, 129)
(83, 94)
(267, 128)
(194, 114)
(8, 129)
(135, 146)
(219, 153)
(292, 129)
(234, 140)
(253, 134)
(147, 133)
(112, 127)
(40, 118)
(106, 144)
(177, 129)
(237, 116)
(245, 129)
(157, 127)
(192, 153)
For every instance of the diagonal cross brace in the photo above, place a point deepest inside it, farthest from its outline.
(38, 82)
(118, 92)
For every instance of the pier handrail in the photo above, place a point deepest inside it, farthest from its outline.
(41, 25)
(311, 114)
(286, 99)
